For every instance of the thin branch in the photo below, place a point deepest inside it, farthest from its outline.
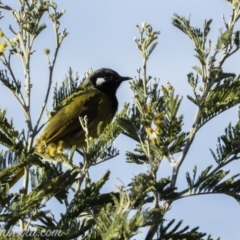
(189, 142)
(6, 7)
(144, 66)
(11, 29)
(227, 55)
(25, 63)
(225, 23)
(191, 137)
(170, 158)
(51, 68)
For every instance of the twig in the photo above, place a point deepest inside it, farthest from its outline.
(11, 29)
(189, 142)
(144, 66)
(6, 7)
(226, 55)
(225, 23)
(51, 68)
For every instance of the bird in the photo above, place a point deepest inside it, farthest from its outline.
(97, 101)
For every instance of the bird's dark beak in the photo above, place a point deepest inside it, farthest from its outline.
(124, 78)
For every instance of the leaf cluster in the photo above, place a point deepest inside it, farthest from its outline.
(171, 232)
(67, 88)
(32, 18)
(155, 123)
(228, 145)
(213, 182)
(8, 134)
(196, 35)
(13, 86)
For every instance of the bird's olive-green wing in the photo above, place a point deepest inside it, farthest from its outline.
(93, 104)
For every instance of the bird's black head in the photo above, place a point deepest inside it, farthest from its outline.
(107, 80)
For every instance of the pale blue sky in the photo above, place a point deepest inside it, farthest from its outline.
(101, 35)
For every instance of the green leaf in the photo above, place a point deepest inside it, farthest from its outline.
(198, 70)
(221, 97)
(177, 232)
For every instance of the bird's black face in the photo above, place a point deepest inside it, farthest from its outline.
(107, 80)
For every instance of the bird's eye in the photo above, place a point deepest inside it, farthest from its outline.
(108, 78)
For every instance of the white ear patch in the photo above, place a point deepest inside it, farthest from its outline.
(100, 81)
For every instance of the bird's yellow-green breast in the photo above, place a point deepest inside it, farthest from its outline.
(65, 125)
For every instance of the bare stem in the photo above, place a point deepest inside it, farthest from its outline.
(51, 68)
(177, 165)
(144, 66)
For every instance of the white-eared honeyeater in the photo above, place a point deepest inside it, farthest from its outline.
(97, 101)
